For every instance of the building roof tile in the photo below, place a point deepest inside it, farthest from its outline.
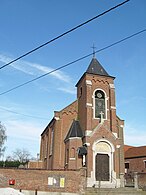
(136, 152)
(96, 68)
(74, 131)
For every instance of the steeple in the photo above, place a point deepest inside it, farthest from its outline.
(96, 68)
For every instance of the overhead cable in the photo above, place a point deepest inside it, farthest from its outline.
(63, 34)
(26, 115)
(70, 63)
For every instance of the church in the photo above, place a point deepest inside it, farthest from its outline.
(88, 133)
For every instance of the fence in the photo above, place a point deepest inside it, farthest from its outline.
(135, 179)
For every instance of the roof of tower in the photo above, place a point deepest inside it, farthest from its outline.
(74, 131)
(96, 68)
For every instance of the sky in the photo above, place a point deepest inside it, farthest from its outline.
(24, 25)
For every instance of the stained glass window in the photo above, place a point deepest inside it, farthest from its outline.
(99, 104)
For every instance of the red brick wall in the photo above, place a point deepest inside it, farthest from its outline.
(35, 164)
(136, 165)
(88, 122)
(61, 128)
(38, 179)
(82, 103)
(76, 162)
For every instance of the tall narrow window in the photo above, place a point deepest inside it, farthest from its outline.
(67, 156)
(99, 104)
(46, 145)
(51, 141)
(72, 153)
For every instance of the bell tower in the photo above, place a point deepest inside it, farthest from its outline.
(96, 98)
(103, 130)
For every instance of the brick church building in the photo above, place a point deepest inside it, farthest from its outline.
(88, 133)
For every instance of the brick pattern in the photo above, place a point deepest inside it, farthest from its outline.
(136, 164)
(38, 179)
(56, 159)
(83, 110)
(112, 124)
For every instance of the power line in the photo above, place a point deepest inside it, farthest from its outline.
(63, 34)
(122, 40)
(102, 49)
(70, 63)
(26, 115)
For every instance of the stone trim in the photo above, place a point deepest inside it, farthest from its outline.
(87, 144)
(116, 135)
(118, 146)
(112, 86)
(74, 138)
(88, 82)
(113, 107)
(88, 132)
(57, 118)
(72, 158)
(89, 104)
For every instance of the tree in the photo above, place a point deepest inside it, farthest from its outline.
(3, 138)
(21, 155)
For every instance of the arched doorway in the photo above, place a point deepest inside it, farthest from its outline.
(102, 160)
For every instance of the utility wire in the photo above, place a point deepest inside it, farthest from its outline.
(63, 34)
(26, 115)
(102, 49)
(70, 63)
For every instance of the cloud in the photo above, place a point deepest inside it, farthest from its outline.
(22, 132)
(135, 135)
(20, 124)
(70, 90)
(35, 69)
(135, 140)
(129, 100)
(58, 74)
(17, 65)
(23, 129)
(1, 83)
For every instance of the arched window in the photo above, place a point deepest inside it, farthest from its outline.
(72, 153)
(100, 104)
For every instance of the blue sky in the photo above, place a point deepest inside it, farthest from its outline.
(30, 23)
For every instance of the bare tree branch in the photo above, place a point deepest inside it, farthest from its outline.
(3, 138)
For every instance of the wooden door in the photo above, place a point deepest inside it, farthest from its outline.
(102, 167)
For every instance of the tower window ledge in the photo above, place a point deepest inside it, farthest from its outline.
(89, 104)
(72, 158)
(112, 86)
(113, 107)
(88, 82)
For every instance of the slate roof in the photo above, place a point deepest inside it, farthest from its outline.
(96, 68)
(136, 152)
(74, 131)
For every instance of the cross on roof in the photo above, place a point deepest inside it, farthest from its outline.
(93, 47)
